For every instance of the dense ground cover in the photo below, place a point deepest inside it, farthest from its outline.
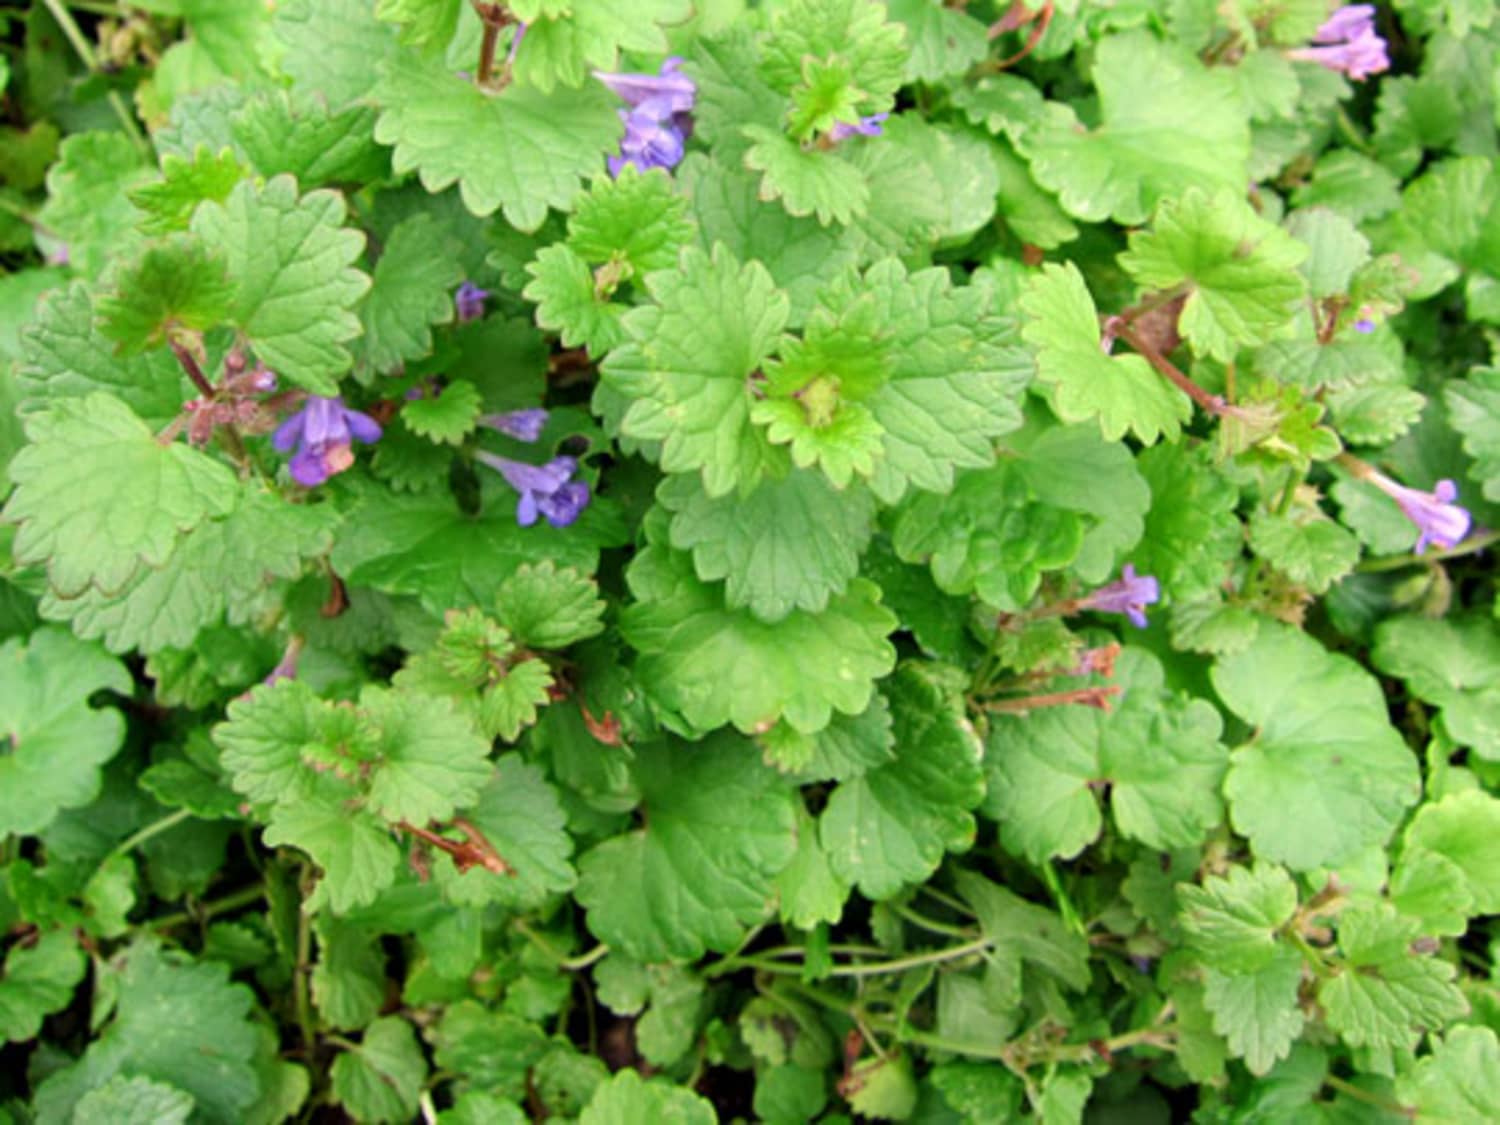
(802, 561)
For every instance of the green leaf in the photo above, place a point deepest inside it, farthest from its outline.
(1434, 890)
(809, 891)
(1474, 410)
(297, 135)
(1240, 270)
(1453, 664)
(1123, 392)
(801, 255)
(65, 355)
(88, 199)
(893, 825)
(492, 1050)
(721, 827)
(178, 284)
(1257, 1011)
(1025, 934)
(1336, 249)
(1377, 415)
(806, 180)
(1158, 752)
(55, 742)
(1464, 829)
(628, 1099)
(547, 607)
(291, 263)
(380, 1080)
(944, 43)
(689, 389)
(569, 301)
(882, 1087)
(511, 705)
(638, 219)
(411, 289)
(175, 1022)
(1386, 993)
(1307, 547)
(97, 495)
(424, 23)
(1351, 184)
(133, 1101)
(449, 417)
(1326, 774)
(564, 42)
(714, 665)
(356, 852)
(522, 150)
(1459, 1081)
(169, 203)
(1233, 922)
(348, 981)
(429, 760)
(855, 30)
(221, 566)
(1191, 531)
(334, 48)
(1144, 149)
(38, 980)
(521, 816)
(426, 547)
(791, 544)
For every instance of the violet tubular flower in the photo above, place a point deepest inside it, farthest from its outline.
(865, 127)
(658, 122)
(1130, 594)
(1347, 43)
(1438, 518)
(322, 432)
(523, 425)
(468, 302)
(546, 490)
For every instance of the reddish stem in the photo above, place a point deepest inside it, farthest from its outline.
(1214, 404)
(1087, 697)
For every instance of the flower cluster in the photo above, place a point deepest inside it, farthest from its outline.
(658, 122)
(1347, 43)
(545, 490)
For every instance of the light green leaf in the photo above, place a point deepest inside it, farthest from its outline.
(944, 42)
(429, 759)
(1191, 531)
(88, 199)
(721, 827)
(1257, 1011)
(1240, 271)
(291, 263)
(1232, 922)
(1158, 752)
(1144, 149)
(1377, 415)
(332, 47)
(37, 981)
(357, 853)
(285, 134)
(1454, 664)
(348, 980)
(883, 1087)
(628, 1099)
(380, 1080)
(637, 218)
(96, 495)
(1464, 829)
(689, 387)
(65, 355)
(809, 891)
(893, 825)
(792, 544)
(56, 742)
(169, 203)
(174, 285)
(714, 665)
(1336, 249)
(175, 1022)
(492, 1050)
(1474, 410)
(521, 150)
(1307, 547)
(1434, 890)
(1025, 934)
(568, 301)
(807, 181)
(855, 30)
(564, 42)
(547, 607)
(510, 705)
(1123, 392)
(133, 1101)
(411, 289)
(1459, 1082)
(1325, 774)
(448, 417)
(1386, 993)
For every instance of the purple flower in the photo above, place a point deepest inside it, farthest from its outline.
(1364, 325)
(523, 425)
(1350, 43)
(865, 127)
(658, 122)
(1438, 519)
(469, 302)
(1130, 595)
(548, 490)
(322, 431)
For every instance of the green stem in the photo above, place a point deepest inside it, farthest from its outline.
(874, 968)
(1352, 132)
(1343, 1086)
(207, 910)
(155, 828)
(1065, 905)
(1469, 546)
(74, 35)
(302, 974)
(926, 923)
(950, 901)
(564, 962)
(1310, 953)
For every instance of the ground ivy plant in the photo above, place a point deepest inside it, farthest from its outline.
(812, 560)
